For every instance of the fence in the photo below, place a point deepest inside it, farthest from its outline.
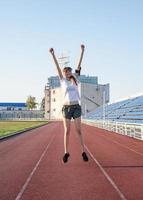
(22, 115)
(129, 129)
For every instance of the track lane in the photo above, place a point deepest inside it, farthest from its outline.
(126, 141)
(34, 170)
(75, 180)
(18, 156)
(123, 165)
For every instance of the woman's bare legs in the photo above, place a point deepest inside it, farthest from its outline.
(77, 123)
(67, 123)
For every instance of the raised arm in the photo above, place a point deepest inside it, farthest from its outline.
(51, 50)
(80, 60)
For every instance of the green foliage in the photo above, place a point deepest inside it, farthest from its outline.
(31, 102)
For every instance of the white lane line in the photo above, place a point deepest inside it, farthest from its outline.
(107, 176)
(33, 171)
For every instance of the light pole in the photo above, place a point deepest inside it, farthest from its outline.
(85, 110)
(103, 116)
(63, 60)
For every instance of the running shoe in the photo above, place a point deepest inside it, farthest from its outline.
(65, 158)
(84, 156)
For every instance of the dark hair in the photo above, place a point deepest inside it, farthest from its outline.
(67, 68)
(74, 79)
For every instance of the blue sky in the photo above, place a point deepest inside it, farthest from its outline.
(110, 29)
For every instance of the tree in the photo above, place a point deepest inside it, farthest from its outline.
(31, 102)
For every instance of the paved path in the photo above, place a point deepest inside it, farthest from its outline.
(31, 166)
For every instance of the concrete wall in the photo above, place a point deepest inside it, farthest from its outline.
(56, 103)
(92, 96)
(47, 102)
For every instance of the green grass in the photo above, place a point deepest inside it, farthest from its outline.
(9, 127)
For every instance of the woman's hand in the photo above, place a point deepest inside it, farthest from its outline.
(80, 60)
(82, 46)
(51, 50)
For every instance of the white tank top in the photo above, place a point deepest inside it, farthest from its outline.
(70, 92)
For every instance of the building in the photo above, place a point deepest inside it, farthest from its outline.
(13, 106)
(92, 95)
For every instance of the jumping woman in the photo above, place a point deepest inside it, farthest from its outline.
(71, 99)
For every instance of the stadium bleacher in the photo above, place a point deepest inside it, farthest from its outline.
(130, 110)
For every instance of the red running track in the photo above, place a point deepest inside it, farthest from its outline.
(31, 166)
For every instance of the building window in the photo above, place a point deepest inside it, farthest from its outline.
(54, 99)
(53, 91)
(54, 109)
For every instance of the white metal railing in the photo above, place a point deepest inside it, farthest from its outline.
(21, 114)
(129, 129)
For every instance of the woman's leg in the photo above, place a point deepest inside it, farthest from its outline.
(77, 122)
(66, 123)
